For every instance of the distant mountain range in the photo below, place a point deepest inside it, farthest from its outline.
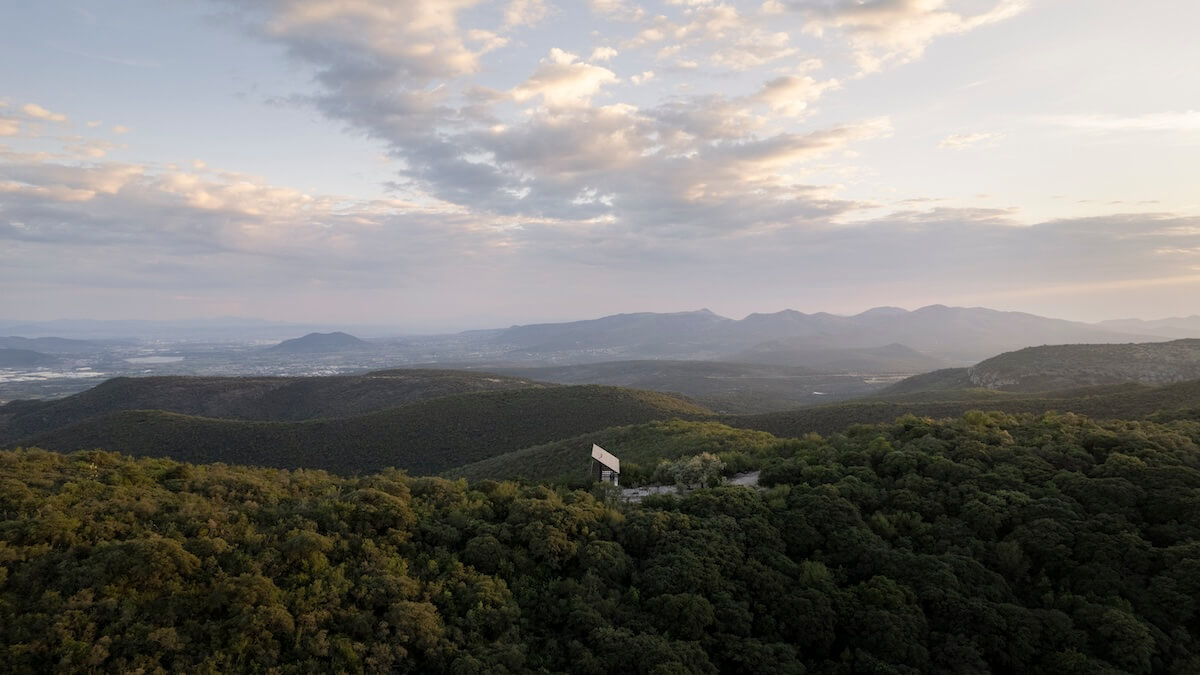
(50, 345)
(1177, 327)
(883, 340)
(923, 339)
(228, 329)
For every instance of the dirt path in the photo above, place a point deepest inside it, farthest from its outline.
(748, 479)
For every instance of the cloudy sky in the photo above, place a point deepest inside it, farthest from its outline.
(442, 164)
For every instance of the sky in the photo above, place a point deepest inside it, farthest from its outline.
(453, 164)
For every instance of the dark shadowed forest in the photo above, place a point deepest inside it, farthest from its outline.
(990, 542)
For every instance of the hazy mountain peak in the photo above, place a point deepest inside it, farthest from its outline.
(885, 311)
(321, 342)
(783, 313)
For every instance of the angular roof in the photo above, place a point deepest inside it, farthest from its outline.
(606, 458)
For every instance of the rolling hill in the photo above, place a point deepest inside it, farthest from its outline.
(50, 345)
(1056, 368)
(425, 437)
(727, 387)
(933, 383)
(249, 398)
(1065, 366)
(1126, 401)
(640, 447)
(24, 358)
(892, 358)
(321, 343)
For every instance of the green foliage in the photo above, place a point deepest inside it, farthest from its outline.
(728, 387)
(987, 543)
(425, 437)
(702, 470)
(1059, 371)
(1058, 367)
(640, 448)
(277, 399)
(1129, 401)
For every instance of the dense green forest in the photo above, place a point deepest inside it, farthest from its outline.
(1124, 401)
(266, 399)
(424, 437)
(990, 542)
(642, 447)
(442, 433)
(1059, 368)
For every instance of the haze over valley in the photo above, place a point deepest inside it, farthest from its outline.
(761, 362)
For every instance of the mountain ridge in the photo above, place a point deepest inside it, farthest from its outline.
(428, 436)
(954, 335)
(24, 358)
(278, 399)
(321, 343)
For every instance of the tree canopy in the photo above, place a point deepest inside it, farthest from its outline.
(991, 542)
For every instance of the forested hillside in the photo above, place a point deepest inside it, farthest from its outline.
(1056, 368)
(1064, 366)
(728, 387)
(425, 437)
(1126, 401)
(250, 398)
(1048, 544)
(642, 447)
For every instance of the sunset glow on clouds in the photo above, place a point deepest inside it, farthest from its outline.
(450, 163)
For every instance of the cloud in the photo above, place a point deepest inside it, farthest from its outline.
(37, 112)
(988, 253)
(525, 12)
(645, 77)
(883, 33)
(717, 35)
(90, 148)
(486, 39)
(617, 9)
(790, 95)
(565, 159)
(179, 213)
(725, 218)
(1188, 121)
(572, 152)
(969, 140)
(357, 42)
(562, 80)
(9, 126)
(603, 54)
(683, 168)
